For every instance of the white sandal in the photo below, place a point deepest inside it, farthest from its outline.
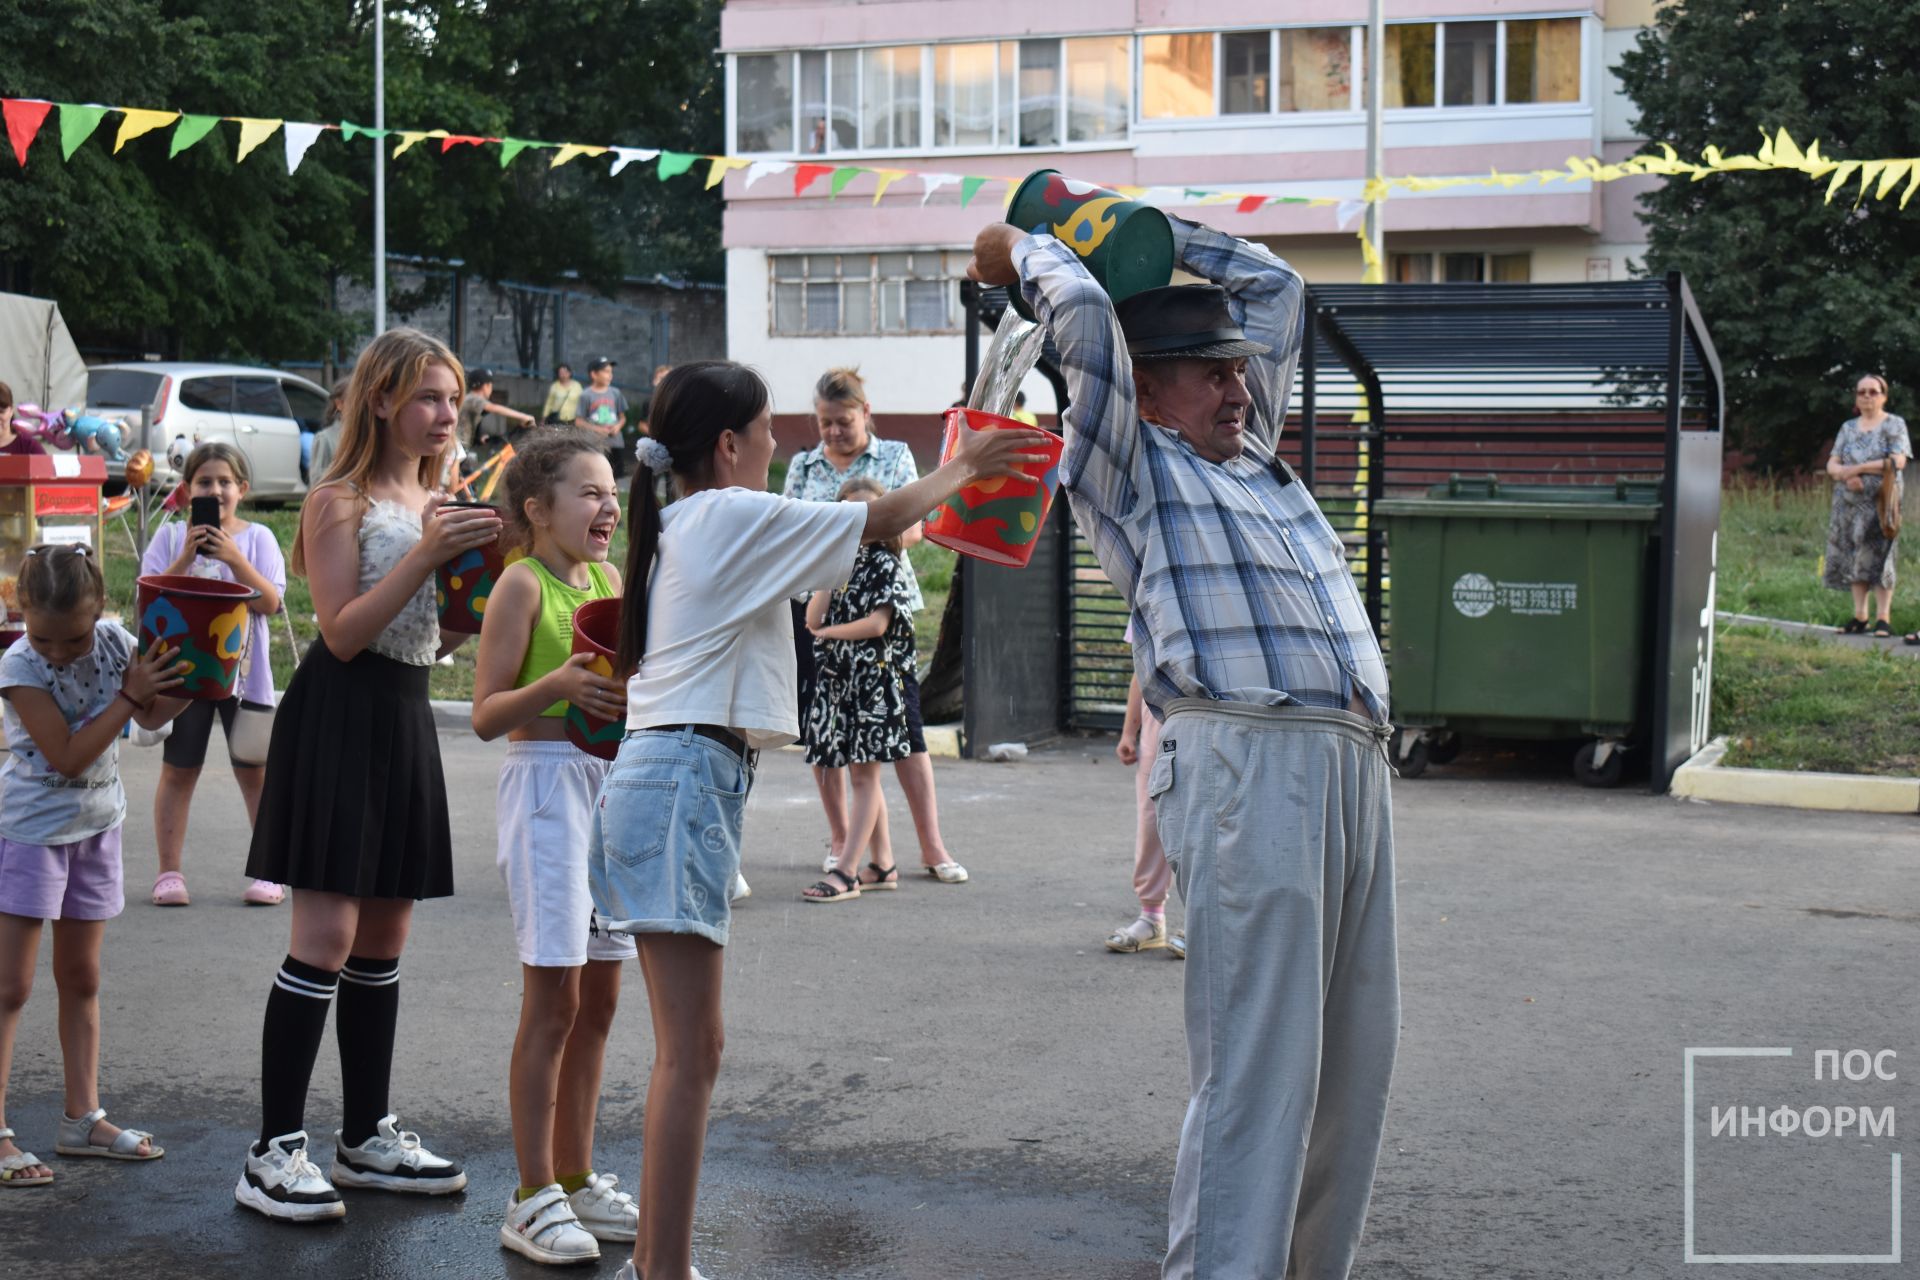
(948, 872)
(76, 1139)
(11, 1166)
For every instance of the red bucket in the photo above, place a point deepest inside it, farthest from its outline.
(596, 630)
(997, 520)
(206, 619)
(465, 582)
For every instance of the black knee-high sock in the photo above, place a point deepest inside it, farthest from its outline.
(369, 1012)
(289, 1042)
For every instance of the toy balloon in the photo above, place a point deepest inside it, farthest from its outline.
(140, 469)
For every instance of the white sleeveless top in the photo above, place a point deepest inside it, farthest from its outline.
(387, 532)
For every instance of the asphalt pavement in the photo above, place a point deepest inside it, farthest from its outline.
(961, 1082)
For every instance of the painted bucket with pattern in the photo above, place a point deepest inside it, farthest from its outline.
(998, 521)
(206, 619)
(596, 630)
(1127, 246)
(464, 583)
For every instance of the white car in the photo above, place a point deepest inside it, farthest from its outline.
(262, 412)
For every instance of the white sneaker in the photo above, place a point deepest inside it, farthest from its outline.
(393, 1160)
(628, 1272)
(543, 1227)
(741, 889)
(606, 1213)
(1141, 935)
(828, 863)
(282, 1183)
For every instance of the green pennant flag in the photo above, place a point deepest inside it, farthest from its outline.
(77, 124)
(970, 187)
(349, 131)
(674, 163)
(189, 131)
(511, 147)
(1195, 194)
(841, 177)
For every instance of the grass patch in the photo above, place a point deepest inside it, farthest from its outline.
(1797, 703)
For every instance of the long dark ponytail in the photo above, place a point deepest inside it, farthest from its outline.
(692, 407)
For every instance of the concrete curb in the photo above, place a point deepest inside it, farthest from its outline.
(1704, 778)
(456, 716)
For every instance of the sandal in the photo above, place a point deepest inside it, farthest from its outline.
(1912, 637)
(948, 872)
(1883, 630)
(76, 1139)
(827, 891)
(170, 890)
(1854, 627)
(13, 1168)
(888, 879)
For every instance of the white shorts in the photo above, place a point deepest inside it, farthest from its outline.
(547, 794)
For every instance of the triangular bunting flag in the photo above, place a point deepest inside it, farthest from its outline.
(804, 175)
(77, 124)
(970, 187)
(349, 131)
(408, 137)
(887, 178)
(934, 181)
(511, 147)
(1890, 177)
(135, 121)
(674, 163)
(1347, 210)
(190, 130)
(842, 176)
(1193, 194)
(298, 138)
(252, 134)
(449, 141)
(24, 118)
(568, 150)
(1249, 203)
(624, 156)
(761, 168)
(1131, 193)
(718, 166)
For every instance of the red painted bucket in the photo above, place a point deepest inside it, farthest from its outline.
(465, 582)
(596, 630)
(997, 520)
(206, 619)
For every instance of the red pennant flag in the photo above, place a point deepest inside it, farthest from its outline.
(1249, 203)
(453, 140)
(805, 174)
(23, 124)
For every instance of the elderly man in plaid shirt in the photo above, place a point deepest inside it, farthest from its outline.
(1253, 648)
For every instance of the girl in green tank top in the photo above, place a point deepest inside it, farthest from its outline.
(563, 508)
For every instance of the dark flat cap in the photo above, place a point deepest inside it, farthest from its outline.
(1183, 322)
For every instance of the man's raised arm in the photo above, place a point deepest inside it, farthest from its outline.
(1267, 297)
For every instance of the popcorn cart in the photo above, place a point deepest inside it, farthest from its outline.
(47, 498)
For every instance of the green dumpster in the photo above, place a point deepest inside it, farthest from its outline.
(1521, 611)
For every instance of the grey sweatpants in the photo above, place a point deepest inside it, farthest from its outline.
(1277, 823)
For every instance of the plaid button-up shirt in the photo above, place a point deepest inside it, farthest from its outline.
(1238, 585)
(812, 477)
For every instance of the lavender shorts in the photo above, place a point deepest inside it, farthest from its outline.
(78, 881)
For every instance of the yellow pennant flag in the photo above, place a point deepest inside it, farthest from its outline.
(718, 166)
(252, 134)
(569, 150)
(1913, 184)
(1840, 175)
(1890, 177)
(135, 121)
(1376, 272)
(1131, 193)
(885, 178)
(1869, 170)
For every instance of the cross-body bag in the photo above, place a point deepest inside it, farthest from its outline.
(252, 730)
(1888, 500)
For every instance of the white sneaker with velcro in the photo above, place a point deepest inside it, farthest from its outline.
(605, 1211)
(543, 1227)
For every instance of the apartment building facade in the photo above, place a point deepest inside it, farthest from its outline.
(1253, 96)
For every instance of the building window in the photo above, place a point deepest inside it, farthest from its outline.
(764, 92)
(1451, 267)
(1099, 88)
(866, 293)
(1039, 93)
(1410, 64)
(1543, 60)
(963, 95)
(1246, 73)
(890, 88)
(829, 98)
(1176, 76)
(1316, 69)
(1471, 54)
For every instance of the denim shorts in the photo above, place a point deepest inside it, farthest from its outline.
(666, 835)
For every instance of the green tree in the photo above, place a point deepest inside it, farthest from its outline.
(1798, 294)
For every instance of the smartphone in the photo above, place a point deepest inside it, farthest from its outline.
(206, 510)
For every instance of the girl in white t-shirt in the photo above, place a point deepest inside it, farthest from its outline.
(708, 635)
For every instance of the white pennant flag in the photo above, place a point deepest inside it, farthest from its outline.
(1348, 210)
(299, 137)
(761, 168)
(935, 181)
(625, 156)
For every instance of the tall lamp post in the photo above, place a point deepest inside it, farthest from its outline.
(380, 167)
(1376, 94)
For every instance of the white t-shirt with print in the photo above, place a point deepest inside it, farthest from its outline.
(37, 804)
(719, 629)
